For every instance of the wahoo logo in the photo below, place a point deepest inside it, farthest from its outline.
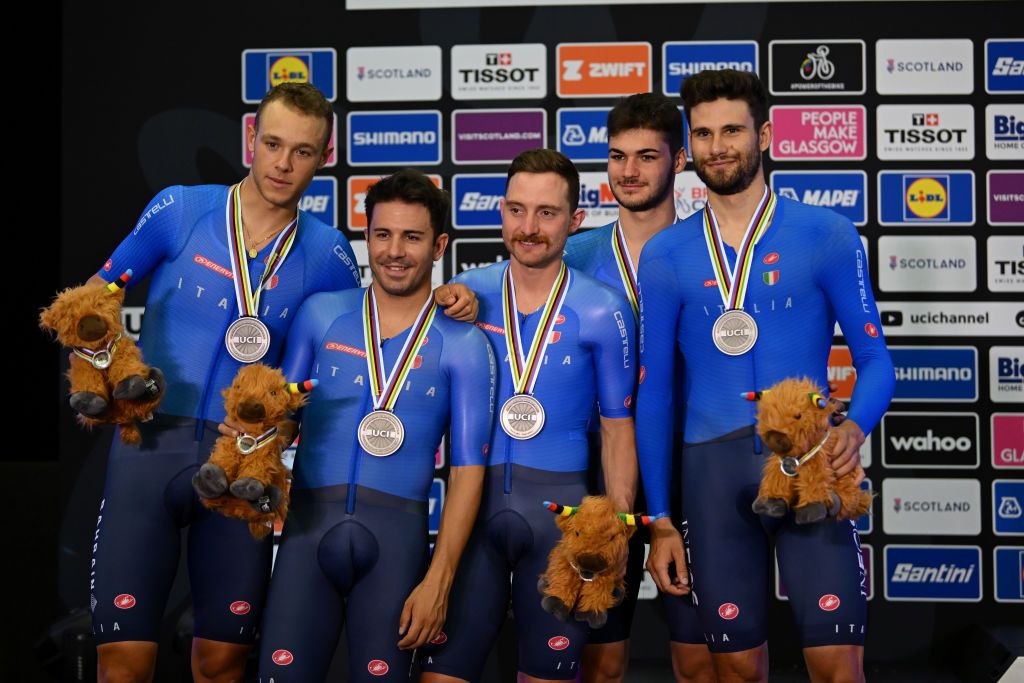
(829, 602)
(558, 643)
(124, 601)
(728, 611)
(282, 657)
(377, 667)
(240, 607)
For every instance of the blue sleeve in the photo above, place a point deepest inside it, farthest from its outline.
(304, 338)
(842, 272)
(659, 315)
(341, 270)
(469, 363)
(609, 331)
(159, 234)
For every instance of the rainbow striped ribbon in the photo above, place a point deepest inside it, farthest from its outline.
(525, 370)
(386, 388)
(626, 270)
(246, 297)
(732, 284)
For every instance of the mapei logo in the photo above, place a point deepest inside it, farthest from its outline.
(926, 198)
(597, 200)
(512, 71)
(477, 200)
(935, 373)
(822, 133)
(818, 67)
(263, 69)
(1006, 374)
(583, 133)
(434, 505)
(930, 440)
(358, 185)
(394, 138)
(906, 131)
(1004, 131)
(845, 192)
(1004, 66)
(923, 573)
(249, 121)
(392, 74)
(603, 69)
(924, 67)
(684, 59)
(321, 199)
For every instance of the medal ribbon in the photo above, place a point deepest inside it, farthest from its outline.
(525, 370)
(626, 270)
(247, 298)
(89, 354)
(386, 389)
(814, 451)
(732, 284)
(261, 440)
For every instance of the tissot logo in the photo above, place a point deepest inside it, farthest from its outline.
(927, 264)
(820, 67)
(933, 573)
(927, 131)
(504, 71)
(924, 67)
(930, 440)
(1006, 374)
(392, 74)
(1005, 262)
(947, 507)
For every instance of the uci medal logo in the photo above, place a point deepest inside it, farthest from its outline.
(101, 360)
(522, 417)
(381, 433)
(734, 333)
(247, 340)
(789, 466)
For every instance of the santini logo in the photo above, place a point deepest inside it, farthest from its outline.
(907, 572)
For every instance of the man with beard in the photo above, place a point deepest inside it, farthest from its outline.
(564, 341)
(645, 152)
(749, 291)
(392, 377)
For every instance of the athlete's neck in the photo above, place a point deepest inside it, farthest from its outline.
(260, 218)
(734, 211)
(533, 284)
(398, 312)
(640, 226)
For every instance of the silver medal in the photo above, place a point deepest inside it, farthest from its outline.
(734, 332)
(246, 444)
(789, 466)
(522, 417)
(247, 340)
(101, 360)
(381, 433)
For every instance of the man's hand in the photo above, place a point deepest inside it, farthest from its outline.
(228, 428)
(458, 301)
(423, 615)
(667, 549)
(848, 439)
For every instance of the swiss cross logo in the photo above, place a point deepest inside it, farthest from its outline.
(829, 602)
(929, 119)
(770, 258)
(377, 667)
(871, 330)
(240, 607)
(728, 611)
(558, 643)
(282, 657)
(108, 265)
(440, 639)
(124, 601)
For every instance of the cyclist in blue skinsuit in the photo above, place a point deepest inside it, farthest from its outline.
(182, 239)
(546, 398)
(805, 270)
(355, 546)
(645, 141)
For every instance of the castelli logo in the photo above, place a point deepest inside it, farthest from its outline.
(240, 607)
(770, 258)
(124, 601)
(558, 643)
(272, 283)
(377, 667)
(282, 657)
(643, 373)
(560, 319)
(829, 603)
(710, 283)
(108, 265)
(440, 639)
(486, 449)
(728, 611)
(628, 402)
(871, 330)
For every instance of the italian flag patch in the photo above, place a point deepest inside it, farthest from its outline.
(770, 277)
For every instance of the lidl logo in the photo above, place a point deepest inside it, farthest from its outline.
(264, 69)
(926, 198)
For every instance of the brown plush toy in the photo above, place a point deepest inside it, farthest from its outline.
(110, 384)
(244, 477)
(585, 570)
(794, 421)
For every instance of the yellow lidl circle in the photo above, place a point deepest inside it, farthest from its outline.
(288, 70)
(926, 197)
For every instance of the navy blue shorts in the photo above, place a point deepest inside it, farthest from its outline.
(820, 563)
(513, 535)
(338, 570)
(683, 621)
(147, 500)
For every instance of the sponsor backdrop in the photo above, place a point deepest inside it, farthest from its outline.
(916, 138)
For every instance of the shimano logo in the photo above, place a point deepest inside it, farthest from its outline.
(395, 137)
(691, 68)
(948, 374)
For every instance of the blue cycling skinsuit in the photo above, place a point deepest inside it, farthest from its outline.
(810, 270)
(592, 253)
(356, 543)
(590, 357)
(181, 240)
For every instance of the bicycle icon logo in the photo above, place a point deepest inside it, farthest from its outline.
(816, 64)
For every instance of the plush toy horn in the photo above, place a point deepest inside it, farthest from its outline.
(561, 510)
(302, 387)
(118, 284)
(634, 520)
(753, 395)
(818, 400)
